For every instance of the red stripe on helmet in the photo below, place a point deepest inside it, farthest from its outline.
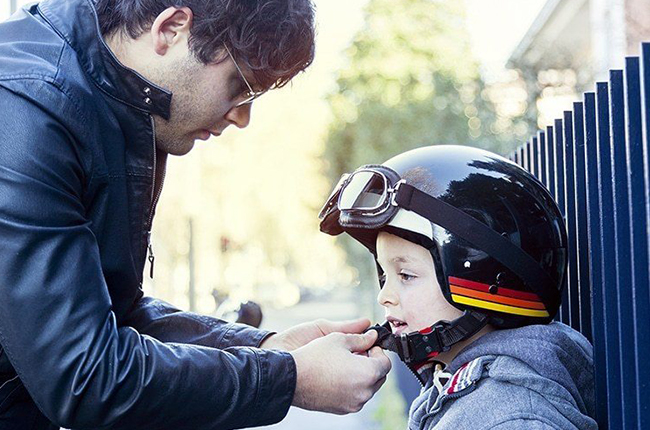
(501, 291)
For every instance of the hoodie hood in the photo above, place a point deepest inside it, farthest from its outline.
(552, 360)
(555, 351)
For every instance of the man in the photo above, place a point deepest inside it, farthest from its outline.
(93, 97)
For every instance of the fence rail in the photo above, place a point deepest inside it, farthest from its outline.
(595, 161)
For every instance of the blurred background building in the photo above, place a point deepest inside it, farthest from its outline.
(573, 43)
(237, 218)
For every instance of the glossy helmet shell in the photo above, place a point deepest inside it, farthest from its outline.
(498, 193)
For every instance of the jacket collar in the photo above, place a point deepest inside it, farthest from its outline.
(76, 21)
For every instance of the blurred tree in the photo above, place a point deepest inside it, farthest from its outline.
(411, 81)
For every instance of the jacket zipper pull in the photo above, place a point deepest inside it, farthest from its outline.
(151, 257)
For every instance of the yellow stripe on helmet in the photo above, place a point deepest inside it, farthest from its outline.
(498, 307)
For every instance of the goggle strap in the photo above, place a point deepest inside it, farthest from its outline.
(483, 238)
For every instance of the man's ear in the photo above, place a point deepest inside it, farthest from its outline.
(171, 27)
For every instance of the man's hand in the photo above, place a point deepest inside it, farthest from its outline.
(302, 334)
(337, 370)
(335, 375)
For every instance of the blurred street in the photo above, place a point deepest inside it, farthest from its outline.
(301, 419)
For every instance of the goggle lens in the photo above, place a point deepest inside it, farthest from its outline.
(365, 190)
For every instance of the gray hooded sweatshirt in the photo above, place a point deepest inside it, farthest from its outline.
(535, 377)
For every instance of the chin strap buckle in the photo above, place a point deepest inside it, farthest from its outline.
(405, 355)
(420, 346)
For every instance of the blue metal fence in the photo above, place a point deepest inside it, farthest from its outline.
(595, 161)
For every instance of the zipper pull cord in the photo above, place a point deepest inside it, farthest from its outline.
(439, 374)
(151, 257)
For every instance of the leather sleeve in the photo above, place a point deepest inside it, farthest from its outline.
(163, 321)
(56, 323)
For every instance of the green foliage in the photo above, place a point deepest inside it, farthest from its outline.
(411, 81)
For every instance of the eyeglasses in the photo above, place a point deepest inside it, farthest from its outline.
(250, 95)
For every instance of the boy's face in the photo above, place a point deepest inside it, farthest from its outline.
(411, 293)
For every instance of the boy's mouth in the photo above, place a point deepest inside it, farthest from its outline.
(397, 325)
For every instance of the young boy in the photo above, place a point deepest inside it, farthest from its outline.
(471, 254)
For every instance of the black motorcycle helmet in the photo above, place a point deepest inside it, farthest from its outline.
(497, 238)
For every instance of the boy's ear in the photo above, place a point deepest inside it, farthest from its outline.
(171, 27)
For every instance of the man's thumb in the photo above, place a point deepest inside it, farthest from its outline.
(351, 326)
(361, 342)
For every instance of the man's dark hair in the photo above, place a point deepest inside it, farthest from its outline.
(274, 39)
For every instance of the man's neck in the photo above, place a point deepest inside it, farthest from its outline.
(130, 52)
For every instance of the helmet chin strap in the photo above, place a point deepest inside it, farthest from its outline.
(420, 346)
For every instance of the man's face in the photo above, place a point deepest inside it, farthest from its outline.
(203, 103)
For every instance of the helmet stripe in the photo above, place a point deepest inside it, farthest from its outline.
(496, 298)
(478, 286)
(498, 307)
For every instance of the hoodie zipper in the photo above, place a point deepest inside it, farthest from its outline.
(156, 191)
(416, 374)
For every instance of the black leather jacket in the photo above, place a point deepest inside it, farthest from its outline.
(80, 346)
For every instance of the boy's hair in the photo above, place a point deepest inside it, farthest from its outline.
(274, 39)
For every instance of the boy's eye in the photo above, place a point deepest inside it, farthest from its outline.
(406, 276)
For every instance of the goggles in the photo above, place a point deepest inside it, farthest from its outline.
(373, 196)
(364, 199)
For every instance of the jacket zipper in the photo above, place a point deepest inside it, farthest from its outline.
(155, 196)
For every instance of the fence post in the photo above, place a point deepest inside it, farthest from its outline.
(550, 161)
(541, 157)
(644, 306)
(570, 220)
(580, 221)
(608, 259)
(622, 248)
(595, 267)
(638, 230)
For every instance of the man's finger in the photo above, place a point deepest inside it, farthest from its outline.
(378, 384)
(350, 326)
(360, 342)
(378, 354)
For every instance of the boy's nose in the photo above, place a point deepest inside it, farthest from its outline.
(387, 295)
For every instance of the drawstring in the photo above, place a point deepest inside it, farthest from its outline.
(439, 374)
